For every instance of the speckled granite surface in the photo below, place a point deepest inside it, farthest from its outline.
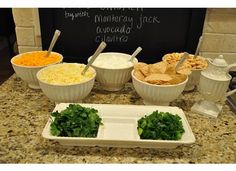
(24, 113)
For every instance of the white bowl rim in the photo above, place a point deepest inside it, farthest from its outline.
(22, 66)
(163, 59)
(59, 85)
(117, 53)
(155, 85)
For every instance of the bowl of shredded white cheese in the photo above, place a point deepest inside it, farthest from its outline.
(113, 70)
(65, 83)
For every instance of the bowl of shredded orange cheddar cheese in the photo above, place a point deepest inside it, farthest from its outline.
(37, 58)
(26, 65)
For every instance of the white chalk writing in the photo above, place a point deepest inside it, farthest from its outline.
(113, 19)
(114, 27)
(122, 9)
(147, 20)
(74, 15)
(111, 38)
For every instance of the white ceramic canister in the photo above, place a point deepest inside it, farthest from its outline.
(214, 81)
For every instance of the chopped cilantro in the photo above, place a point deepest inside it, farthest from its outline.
(160, 126)
(75, 121)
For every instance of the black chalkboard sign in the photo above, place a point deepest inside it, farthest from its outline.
(157, 31)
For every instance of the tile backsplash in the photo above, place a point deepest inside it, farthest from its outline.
(27, 29)
(219, 32)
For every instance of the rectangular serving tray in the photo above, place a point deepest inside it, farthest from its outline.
(119, 127)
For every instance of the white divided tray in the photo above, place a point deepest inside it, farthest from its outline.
(119, 127)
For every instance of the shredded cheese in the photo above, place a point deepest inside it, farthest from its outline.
(37, 58)
(65, 74)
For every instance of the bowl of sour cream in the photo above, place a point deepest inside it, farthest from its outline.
(113, 70)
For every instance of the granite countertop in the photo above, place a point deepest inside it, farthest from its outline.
(24, 113)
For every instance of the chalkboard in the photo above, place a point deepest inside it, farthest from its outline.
(157, 31)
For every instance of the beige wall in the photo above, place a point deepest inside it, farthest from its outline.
(27, 29)
(219, 32)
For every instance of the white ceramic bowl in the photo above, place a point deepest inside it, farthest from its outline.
(113, 79)
(28, 73)
(66, 93)
(213, 89)
(193, 78)
(157, 94)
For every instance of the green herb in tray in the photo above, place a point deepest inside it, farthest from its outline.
(160, 126)
(76, 121)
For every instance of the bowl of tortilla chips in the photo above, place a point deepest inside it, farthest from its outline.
(159, 83)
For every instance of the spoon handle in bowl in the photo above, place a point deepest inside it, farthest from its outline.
(136, 52)
(95, 55)
(183, 58)
(54, 39)
(198, 47)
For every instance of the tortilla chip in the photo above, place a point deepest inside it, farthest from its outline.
(139, 65)
(145, 70)
(177, 78)
(158, 78)
(171, 68)
(138, 74)
(161, 73)
(185, 71)
(159, 67)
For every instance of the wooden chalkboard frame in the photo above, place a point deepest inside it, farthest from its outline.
(194, 31)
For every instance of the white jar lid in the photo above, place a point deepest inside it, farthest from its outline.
(220, 61)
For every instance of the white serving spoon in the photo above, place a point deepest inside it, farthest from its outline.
(100, 48)
(136, 52)
(53, 41)
(198, 47)
(182, 59)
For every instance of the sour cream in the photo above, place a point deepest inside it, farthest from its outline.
(113, 61)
